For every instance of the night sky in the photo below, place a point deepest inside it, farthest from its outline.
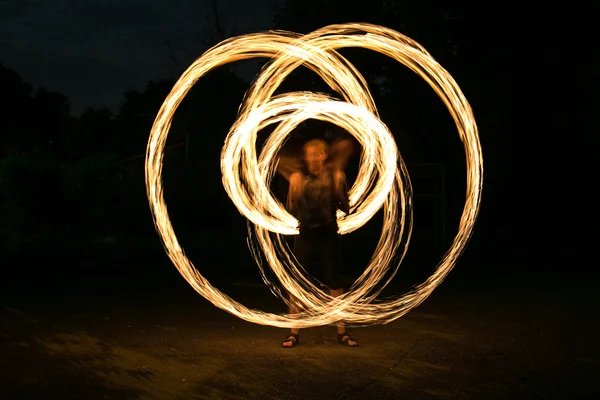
(94, 50)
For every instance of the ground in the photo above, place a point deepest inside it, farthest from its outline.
(69, 339)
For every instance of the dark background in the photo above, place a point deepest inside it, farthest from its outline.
(72, 188)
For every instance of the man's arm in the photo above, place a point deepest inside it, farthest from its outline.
(340, 152)
(288, 165)
(295, 191)
(341, 191)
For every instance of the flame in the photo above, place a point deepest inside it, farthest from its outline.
(382, 181)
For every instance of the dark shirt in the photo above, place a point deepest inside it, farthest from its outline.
(318, 204)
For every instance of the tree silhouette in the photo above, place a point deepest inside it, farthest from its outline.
(215, 26)
(53, 167)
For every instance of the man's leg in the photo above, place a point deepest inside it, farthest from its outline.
(292, 340)
(341, 327)
(302, 253)
(333, 259)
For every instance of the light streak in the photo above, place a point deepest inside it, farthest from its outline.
(382, 180)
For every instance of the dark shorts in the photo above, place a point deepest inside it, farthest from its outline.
(318, 250)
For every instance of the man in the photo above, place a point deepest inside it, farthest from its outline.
(315, 194)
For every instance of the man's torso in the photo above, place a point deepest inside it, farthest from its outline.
(317, 206)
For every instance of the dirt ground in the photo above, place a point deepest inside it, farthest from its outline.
(485, 344)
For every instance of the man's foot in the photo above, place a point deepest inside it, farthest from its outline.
(347, 340)
(292, 341)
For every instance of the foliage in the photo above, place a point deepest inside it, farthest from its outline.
(81, 178)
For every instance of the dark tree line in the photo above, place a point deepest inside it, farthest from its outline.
(81, 178)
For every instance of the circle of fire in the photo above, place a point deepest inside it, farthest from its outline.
(382, 172)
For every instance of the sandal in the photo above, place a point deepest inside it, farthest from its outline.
(292, 337)
(344, 339)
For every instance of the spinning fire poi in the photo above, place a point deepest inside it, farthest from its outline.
(382, 180)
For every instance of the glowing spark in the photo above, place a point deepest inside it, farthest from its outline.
(382, 180)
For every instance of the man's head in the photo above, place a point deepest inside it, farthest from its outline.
(315, 154)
